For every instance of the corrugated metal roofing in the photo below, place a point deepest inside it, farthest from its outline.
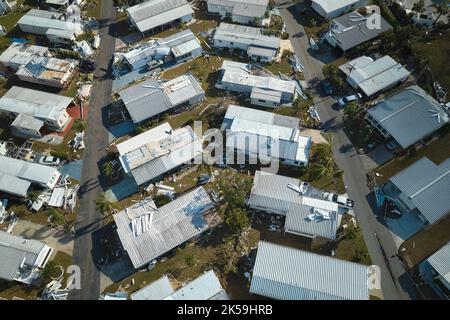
(157, 290)
(333, 5)
(352, 30)
(427, 185)
(14, 250)
(204, 287)
(244, 35)
(33, 172)
(290, 274)
(246, 8)
(14, 185)
(153, 13)
(27, 122)
(271, 193)
(20, 53)
(376, 76)
(266, 95)
(151, 97)
(409, 115)
(440, 261)
(47, 20)
(173, 224)
(39, 104)
(252, 131)
(261, 52)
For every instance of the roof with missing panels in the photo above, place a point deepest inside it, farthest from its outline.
(271, 193)
(157, 151)
(440, 261)
(427, 186)
(20, 53)
(263, 128)
(151, 97)
(245, 35)
(409, 115)
(171, 225)
(286, 273)
(352, 29)
(14, 251)
(246, 8)
(39, 104)
(153, 13)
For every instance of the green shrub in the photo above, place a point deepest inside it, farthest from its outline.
(59, 154)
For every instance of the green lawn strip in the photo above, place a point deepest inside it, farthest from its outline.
(437, 151)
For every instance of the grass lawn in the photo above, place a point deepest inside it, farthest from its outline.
(9, 290)
(424, 243)
(93, 8)
(437, 151)
(352, 246)
(312, 23)
(283, 67)
(438, 52)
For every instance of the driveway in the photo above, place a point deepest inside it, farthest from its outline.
(377, 236)
(87, 247)
(57, 239)
(404, 227)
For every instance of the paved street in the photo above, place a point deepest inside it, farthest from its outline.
(394, 281)
(87, 242)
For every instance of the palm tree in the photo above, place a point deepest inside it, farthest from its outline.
(33, 196)
(107, 169)
(442, 9)
(104, 205)
(419, 6)
(56, 216)
(325, 149)
(352, 110)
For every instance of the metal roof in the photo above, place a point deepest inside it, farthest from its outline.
(173, 224)
(153, 13)
(261, 52)
(29, 171)
(205, 287)
(157, 151)
(157, 290)
(47, 69)
(21, 53)
(259, 129)
(152, 97)
(409, 115)
(440, 261)
(427, 186)
(290, 274)
(266, 95)
(245, 35)
(271, 193)
(246, 8)
(333, 5)
(27, 122)
(48, 20)
(352, 29)
(375, 76)
(39, 104)
(16, 251)
(14, 185)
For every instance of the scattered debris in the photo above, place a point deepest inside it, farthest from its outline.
(77, 143)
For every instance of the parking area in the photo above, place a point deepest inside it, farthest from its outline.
(404, 227)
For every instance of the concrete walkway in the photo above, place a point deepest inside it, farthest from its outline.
(57, 239)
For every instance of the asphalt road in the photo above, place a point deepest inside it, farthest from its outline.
(395, 283)
(87, 242)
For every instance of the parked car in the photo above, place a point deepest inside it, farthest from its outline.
(49, 160)
(340, 199)
(326, 86)
(344, 100)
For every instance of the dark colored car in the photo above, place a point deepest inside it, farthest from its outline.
(326, 86)
(87, 65)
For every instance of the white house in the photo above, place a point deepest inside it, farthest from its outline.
(51, 25)
(152, 14)
(306, 211)
(259, 47)
(266, 135)
(19, 54)
(49, 108)
(267, 91)
(157, 151)
(329, 9)
(374, 76)
(22, 259)
(240, 11)
(17, 176)
(152, 97)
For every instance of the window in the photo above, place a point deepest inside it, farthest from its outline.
(261, 100)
